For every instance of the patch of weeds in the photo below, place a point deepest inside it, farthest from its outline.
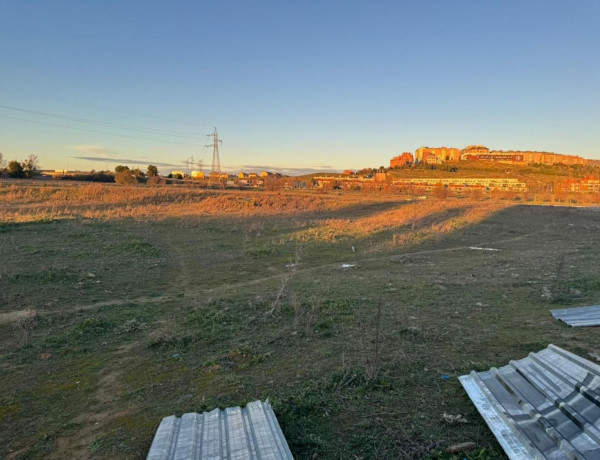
(138, 248)
(215, 324)
(8, 411)
(6, 227)
(474, 454)
(338, 305)
(568, 291)
(171, 341)
(324, 329)
(96, 446)
(55, 341)
(50, 276)
(94, 326)
(24, 327)
(528, 347)
(412, 333)
(305, 422)
(242, 357)
(260, 252)
(42, 446)
(82, 333)
(586, 285)
(306, 417)
(127, 436)
(375, 440)
(131, 325)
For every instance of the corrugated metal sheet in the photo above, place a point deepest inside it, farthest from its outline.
(579, 316)
(233, 433)
(544, 406)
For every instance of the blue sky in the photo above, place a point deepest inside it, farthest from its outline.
(294, 85)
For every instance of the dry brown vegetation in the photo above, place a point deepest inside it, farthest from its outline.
(417, 218)
(27, 202)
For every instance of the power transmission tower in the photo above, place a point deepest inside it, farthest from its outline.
(216, 162)
(189, 162)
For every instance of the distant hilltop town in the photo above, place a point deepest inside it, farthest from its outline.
(438, 155)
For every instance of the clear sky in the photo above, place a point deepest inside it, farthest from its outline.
(294, 84)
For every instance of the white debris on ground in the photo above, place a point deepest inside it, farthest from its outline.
(546, 293)
(476, 248)
(451, 419)
(348, 265)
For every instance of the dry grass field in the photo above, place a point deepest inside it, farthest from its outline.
(354, 314)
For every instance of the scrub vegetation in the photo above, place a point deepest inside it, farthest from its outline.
(354, 314)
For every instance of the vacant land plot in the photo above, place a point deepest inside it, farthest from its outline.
(353, 314)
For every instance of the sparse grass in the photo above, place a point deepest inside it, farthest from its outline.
(107, 324)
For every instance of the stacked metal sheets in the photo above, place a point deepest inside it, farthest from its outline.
(232, 433)
(545, 406)
(579, 316)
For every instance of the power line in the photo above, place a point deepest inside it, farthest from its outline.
(100, 107)
(99, 132)
(101, 123)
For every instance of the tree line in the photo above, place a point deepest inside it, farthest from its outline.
(26, 169)
(125, 175)
(30, 168)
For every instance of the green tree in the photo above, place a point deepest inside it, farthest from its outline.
(31, 166)
(121, 168)
(152, 171)
(15, 170)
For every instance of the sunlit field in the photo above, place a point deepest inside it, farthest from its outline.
(353, 313)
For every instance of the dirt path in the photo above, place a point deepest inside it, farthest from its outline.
(16, 315)
(99, 413)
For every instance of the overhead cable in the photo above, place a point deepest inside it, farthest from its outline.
(101, 123)
(99, 132)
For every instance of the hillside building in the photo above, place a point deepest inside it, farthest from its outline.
(402, 160)
(441, 155)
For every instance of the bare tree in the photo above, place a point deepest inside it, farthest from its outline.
(31, 166)
(2, 162)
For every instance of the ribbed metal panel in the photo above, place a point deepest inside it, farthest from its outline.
(234, 433)
(545, 406)
(579, 316)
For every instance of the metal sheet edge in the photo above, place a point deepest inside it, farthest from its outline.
(511, 441)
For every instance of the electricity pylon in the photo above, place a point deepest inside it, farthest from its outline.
(215, 170)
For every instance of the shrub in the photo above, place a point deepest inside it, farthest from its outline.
(125, 177)
(155, 180)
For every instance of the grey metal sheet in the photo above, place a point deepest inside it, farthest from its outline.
(234, 433)
(579, 316)
(545, 406)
